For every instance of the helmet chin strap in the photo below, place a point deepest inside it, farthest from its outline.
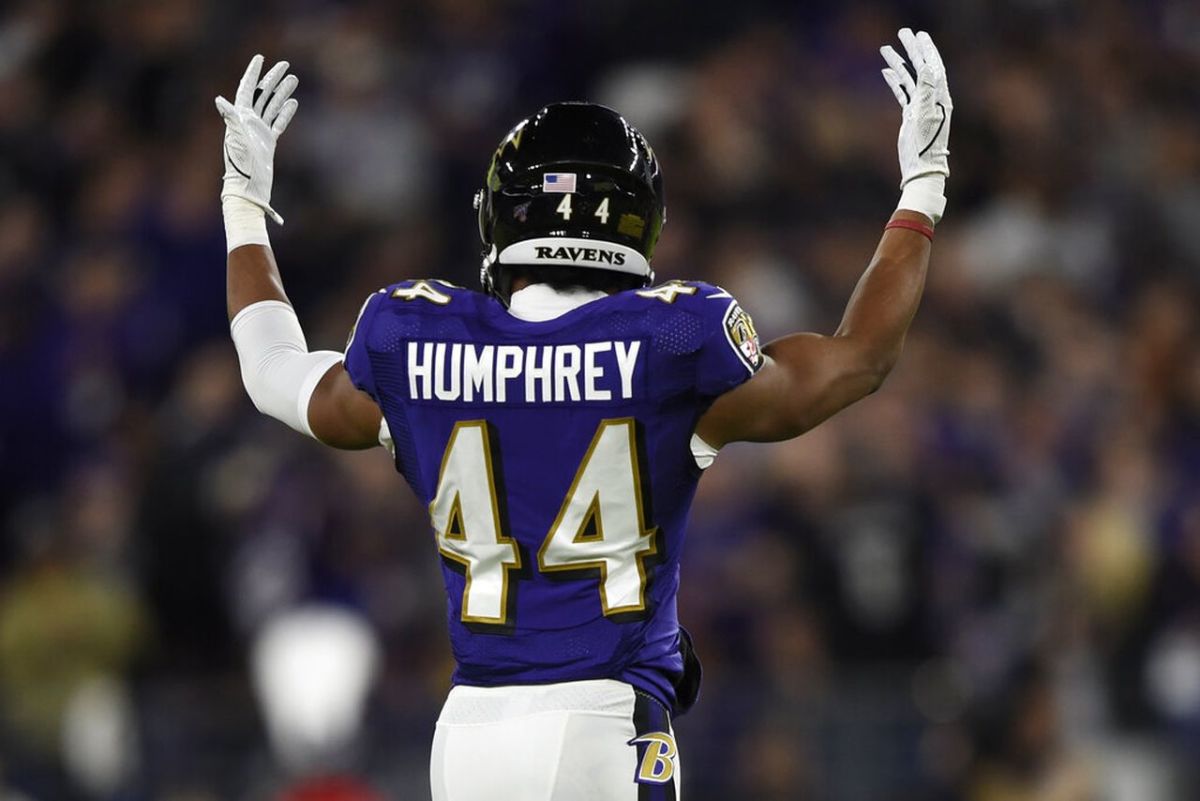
(489, 259)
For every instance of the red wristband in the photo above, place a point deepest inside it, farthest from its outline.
(921, 228)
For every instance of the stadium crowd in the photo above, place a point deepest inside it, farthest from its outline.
(982, 583)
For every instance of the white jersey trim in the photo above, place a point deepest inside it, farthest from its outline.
(385, 437)
(702, 452)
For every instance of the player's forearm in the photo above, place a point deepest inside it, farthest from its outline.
(306, 390)
(813, 377)
(278, 370)
(881, 309)
(251, 275)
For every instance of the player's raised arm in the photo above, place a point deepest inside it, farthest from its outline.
(308, 391)
(807, 378)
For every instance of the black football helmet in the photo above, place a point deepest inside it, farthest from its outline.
(574, 185)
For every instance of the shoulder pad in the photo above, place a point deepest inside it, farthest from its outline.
(719, 312)
(688, 291)
(425, 290)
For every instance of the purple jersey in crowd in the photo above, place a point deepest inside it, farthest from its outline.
(555, 459)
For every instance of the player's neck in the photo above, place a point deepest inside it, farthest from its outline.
(540, 302)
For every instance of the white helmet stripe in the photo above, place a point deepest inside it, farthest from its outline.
(576, 252)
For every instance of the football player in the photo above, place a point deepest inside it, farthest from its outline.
(557, 422)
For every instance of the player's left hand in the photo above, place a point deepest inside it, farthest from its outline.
(252, 127)
(924, 141)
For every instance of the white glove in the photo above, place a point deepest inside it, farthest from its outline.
(925, 129)
(251, 129)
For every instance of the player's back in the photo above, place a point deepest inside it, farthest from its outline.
(556, 460)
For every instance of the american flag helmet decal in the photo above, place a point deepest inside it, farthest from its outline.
(558, 182)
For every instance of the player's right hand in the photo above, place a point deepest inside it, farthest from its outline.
(925, 129)
(252, 127)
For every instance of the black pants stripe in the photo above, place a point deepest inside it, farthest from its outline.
(651, 716)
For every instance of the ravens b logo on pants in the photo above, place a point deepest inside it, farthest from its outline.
(657, 765)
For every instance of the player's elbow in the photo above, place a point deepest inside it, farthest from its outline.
(865, 381)
(281, 378)
(884, 365)
(873, 367)
(876, 374)
(257, 380)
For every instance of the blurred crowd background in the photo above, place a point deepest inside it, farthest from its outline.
(982, 583)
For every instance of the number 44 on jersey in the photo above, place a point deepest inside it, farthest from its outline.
(601, 525)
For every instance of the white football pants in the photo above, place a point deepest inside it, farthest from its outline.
(575, 741)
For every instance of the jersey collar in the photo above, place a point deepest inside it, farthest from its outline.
(537, 303)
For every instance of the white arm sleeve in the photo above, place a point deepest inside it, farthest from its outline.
(277, 370)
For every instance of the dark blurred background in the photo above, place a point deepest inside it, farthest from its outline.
(982, 583)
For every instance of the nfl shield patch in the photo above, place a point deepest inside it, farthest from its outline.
(739, 330)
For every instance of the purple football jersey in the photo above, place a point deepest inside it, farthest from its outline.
(555, 459)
